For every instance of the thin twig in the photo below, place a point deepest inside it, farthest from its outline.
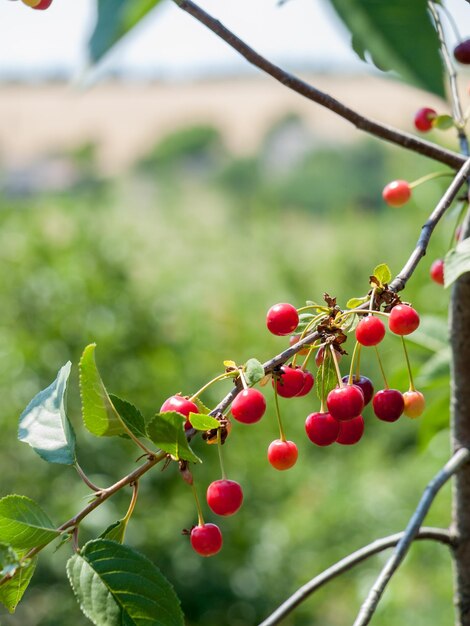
(387, 133)
(370, 604)
(350, 561)
(85, 478)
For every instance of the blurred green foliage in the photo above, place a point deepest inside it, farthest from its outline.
(170, 270)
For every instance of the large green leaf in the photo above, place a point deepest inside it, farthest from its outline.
(45, 425)
(166, 430)
(115, 19)
(457, 262)
(114, 585)
(23, 524)
(12, 591)
(130, 415)
(99, 414)
(397, 36)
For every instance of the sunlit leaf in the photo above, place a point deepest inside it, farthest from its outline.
(203, 422)
(23, 524)
(166, 430)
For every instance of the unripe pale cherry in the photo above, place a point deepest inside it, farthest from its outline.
(462, 52)
(249, 406)
(364, 384)
(351, 431)
(414, 403)
(423, 119)
(206, 539)
(437, 271)
(345, 402)
(282, 319)
(224, 496)
(181, 405)
(403, 320)
(397, 193)
(370, 331)
(282, 454)
(321, 428)
(388, 404)
(308, 384)
(290, 382)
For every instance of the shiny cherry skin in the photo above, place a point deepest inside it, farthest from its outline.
(249, 406)
(321, 428)
(282, 319)
(282, 454)
(397, 193)
(423, 119)
(364, 384)
(437, 271)
(206, 539)
(370, 331)
(388, 404)
(290, 382)
(462, 52)
(351, 431)
(414, 403)
(181, 405)
(345, 402)
(403, 320)
(224, 496)
(308, 384)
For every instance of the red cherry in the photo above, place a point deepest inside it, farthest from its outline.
(397, 193)
(388, 404)
(346, 402)
(282, 319)
(403, 320)
(423, 119)
(462, 52)
(320, 355)
(290, 382)
(249, 406)
(40, 5)
(414, 403)
(437, 271)
(308, 383)
(364, 384)
(224, 497)
(181, 405)
(370, 331)
(293, 340)
(206, 540)
(282, 454)
(321, 428)
(351, 432)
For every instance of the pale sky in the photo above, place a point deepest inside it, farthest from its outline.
(171, 43)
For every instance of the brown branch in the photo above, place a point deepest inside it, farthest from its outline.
(387, 133)
(350, 561)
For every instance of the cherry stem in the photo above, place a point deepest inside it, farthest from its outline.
(85, 478)
(408, 365)
(211, 382)
(242, 378)
(425, 179)
(307, 356)
(381, 367)
(315, 307)
(357, 350)
(326, 355)
(200, 518)
(75, 545)
(219, 448)
(278, 415)
(130, 510)
(372, 298)
(358, 362)
(335, 361)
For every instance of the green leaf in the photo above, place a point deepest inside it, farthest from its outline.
(130, 415)
(12, 591)
(115, 584)
(116, 531)
(203, 422)
(383, 274)
(201, 406)
(115, 19)
(443, 122)
(326, 377)
(166, 430)
(99, 414)
(457, 262)
(44, 424)
(253, 371)
(23, 524)
(354, 303)
(397, 36)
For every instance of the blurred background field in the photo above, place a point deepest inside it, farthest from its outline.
(168, 258)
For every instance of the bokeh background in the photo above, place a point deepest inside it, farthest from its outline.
(159, 209)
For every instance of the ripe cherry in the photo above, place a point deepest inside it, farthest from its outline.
(437, 271)
(282, 319)
(293, 340)
(414, 403)
(322, 428)
(308, 383)
(370, 331)
(397, 193)
(364, 384)
(320, 355)
(249, 406)
(388, 404)
(282, 454)
(224, 496)
(403, 320)
(290, 382)
(181, 405)
(206, 539)
(462, 52)
(423, 119)
(345, 402)
(351, 431)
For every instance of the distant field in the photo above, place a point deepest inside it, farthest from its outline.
(126, 119)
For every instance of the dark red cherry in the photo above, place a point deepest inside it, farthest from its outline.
(351, 431)
(321, 428)
(364, 384)
(388, 404)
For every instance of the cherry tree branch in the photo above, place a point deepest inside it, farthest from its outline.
(350, 561)
(383, 131)
(369, 606)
